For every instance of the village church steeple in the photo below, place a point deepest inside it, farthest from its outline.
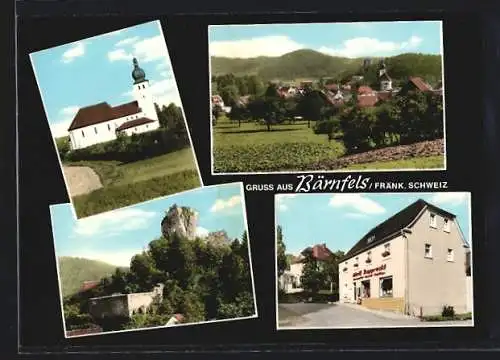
(142, 92)
(384, 78)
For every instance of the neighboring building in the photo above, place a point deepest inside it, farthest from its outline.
(101, 122)
(415, 83)
(124, 305)
(217, 101)
(415, 263)
(87, 285)
(290, 281)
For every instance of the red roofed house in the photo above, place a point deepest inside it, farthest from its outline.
(87, 285)
(290, 280)
(101, 122)
(413, 84)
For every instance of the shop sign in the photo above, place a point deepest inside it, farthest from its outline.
(367, 273)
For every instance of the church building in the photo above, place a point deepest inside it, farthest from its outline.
(102, 122)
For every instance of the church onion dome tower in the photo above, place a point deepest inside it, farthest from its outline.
(138, 74)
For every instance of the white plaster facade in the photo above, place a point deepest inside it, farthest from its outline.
(426, 263)
(100, 125)
(290, 280)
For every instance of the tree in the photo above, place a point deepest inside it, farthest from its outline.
(310, 106)
(331, 270)
(281, 251)
(313, 278)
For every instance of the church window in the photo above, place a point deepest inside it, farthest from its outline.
(83, 134)
(109, 127)
(95, 129)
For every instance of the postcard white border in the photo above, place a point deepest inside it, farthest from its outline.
(427, 324)
(338, 171)
(243, 205)
(158, 23)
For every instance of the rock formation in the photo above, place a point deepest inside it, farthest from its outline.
(218, 238)
(180, 220)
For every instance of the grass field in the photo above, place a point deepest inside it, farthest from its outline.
(252, 148)
(288, 147)
(130, 183)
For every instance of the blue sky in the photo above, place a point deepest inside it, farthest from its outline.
(340, 220)
(116, 236)
(92, 70)
(340, 39)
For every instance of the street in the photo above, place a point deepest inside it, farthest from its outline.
(347, 316)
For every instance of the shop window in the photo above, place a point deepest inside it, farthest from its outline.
(433, 221)
(428, 251)
(446, 225)
(386, 286)
(387, 250)
(450, 256)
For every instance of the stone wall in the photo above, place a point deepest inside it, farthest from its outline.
(109, 306)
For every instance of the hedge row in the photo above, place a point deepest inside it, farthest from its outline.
(131, 148)
(109, 198)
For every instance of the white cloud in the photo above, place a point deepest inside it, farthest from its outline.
(151, 49)
(223, 204)
(114, 222)
(60, 128)
(165, 74)
(355, 215)
(201, 232)
(75, 51)
(163, 91)
(119, 54)
(282, 199)
(114, 33)
(69, 111)
(366, 46)
(450, 198)
(127, 41)
(162, 65)
(259, 46)
(357, 202)
(117, 258)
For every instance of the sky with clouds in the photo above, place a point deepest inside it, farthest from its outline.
(114, 237)
(97, 69)
(340, 220)
(338, 39)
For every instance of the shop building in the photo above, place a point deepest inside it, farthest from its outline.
(416, 262)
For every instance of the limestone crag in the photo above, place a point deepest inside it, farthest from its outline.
(180, 220)
(218, 238)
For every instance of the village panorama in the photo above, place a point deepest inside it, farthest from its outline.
(308, 111)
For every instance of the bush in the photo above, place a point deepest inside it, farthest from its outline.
(448, 311)
(327, 126)
(109, 198)
(132, 148)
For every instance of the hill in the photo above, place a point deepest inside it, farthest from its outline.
(310, 64)
(74, 271)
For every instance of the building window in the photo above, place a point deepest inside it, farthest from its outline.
(387, 250)
(83, 134)
(386, 286)
(369, 257)
(109, 127)
(356, 262)
(95, 129)
(446, 225)
(450, 255)
(433, 221)
(428, 251)
(135, 129)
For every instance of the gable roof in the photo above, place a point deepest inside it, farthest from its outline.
(419, 83)
(367, 100)
(392, 225)
(319, 251)
(132, 123)
(102, 112)
(363, 89)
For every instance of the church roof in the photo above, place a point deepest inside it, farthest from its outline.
(135, 122)
(419, 83)
(102, 112)
(385, 76)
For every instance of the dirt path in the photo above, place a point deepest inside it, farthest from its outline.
(81, 180)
